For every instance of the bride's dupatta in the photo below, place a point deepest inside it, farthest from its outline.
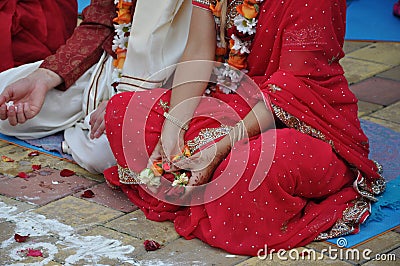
(306, 88)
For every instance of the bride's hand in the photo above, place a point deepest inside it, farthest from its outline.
(166, 148)
(203, 164)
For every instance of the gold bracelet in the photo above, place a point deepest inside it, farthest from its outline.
(176, 121)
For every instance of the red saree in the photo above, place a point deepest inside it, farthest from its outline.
(313, 176)
(32, 30)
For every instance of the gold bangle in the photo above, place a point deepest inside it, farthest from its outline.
(176, 121)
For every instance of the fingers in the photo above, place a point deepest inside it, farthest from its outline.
(4, 98)
(155, 156)
(93, 119)
(3, 112)
(21, 117)
(12, 115)
(97, 129)
(96, 121)
(189, 163)
(16, 114)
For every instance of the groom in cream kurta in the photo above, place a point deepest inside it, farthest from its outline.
(157, 40)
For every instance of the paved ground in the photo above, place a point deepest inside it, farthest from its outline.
(108, 230)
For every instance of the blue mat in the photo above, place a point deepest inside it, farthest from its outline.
(372, 20)
(37, 147)
(82, 4)
(385, 216)
(384, 146)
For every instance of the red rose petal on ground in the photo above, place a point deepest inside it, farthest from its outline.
(20, 238)
(87, 194)
(23, 175)
(34, 253)
(36, 167)
(151, 245)
(6, 159)
(66, 173)
(34, 153)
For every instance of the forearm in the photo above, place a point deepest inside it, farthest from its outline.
(193, 72)
(258, 120)
(49, 78)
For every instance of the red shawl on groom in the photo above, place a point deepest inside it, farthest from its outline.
(31, 30)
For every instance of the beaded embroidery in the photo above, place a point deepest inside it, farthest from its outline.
(293, 122)
(206, 135)
(348, 223)
(126, 176)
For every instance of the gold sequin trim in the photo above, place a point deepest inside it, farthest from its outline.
(350, 220)
(369, 190)
(207, 135)
(128, 177)
(293, 122)
(203, 2)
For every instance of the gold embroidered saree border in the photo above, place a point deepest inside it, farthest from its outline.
(351, 219)
(360, 184)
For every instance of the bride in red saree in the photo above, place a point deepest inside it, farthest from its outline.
(277, 159)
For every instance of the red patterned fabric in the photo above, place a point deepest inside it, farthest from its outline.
(308, 189)
(32, 30)
(86, 45)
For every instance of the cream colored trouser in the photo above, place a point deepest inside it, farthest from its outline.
(69, 111)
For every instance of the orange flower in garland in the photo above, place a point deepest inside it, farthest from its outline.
(157, 168)
(220, 53)
(121, 56)
(151, 176)
(236, 59)
(124, 12)
(217, 8)
(249, 9)
(122, 25)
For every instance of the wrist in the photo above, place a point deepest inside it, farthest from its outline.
(224, 146)
(238, 132)
(170, 119)
(172, 139)
(49, 78)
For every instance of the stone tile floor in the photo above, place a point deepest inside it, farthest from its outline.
(108, 230)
